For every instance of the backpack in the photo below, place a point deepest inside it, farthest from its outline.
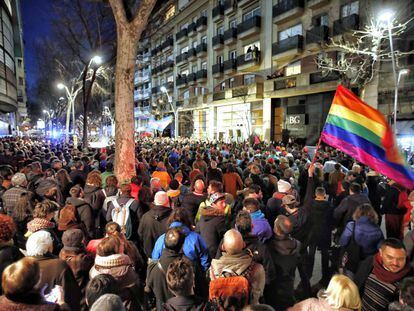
(68, 218)
(231, 288)
(121, 215)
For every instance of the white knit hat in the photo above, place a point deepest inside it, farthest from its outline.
(283, 186)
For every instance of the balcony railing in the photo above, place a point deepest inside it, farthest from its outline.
(155, 90)
(182, 57)
(155, 51)
(168, 64)
(217, 40)
(286, 5)
(202, 74)
(192, 77)
(218, 11)
(228, 6)
(181, 34)
(230, 64)
(318, 77)
(230, 34)
(167, 43)
(295, 42)
(202, 47)
(253, 22)
(192, 52)
(192, 27)
(345, 24)
(317, 34)
(181, 80)
(285, 83)
(219, 95)
(217, 68)
(201, 22)
(248, 58)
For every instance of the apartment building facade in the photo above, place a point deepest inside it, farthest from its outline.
(237, 68)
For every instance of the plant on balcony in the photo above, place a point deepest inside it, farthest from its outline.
(359, 55)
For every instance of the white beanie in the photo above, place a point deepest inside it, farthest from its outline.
(161, 198)
(283, 186)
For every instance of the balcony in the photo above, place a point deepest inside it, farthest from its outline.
(192, 78)
(316, 4)
(201, 23)
(288, 47)
(168, 65)
(218, 42)
(181, 81)
(242, 3)
(181, 35)
(219, 95)
(217, 70)
(167, 44)
(155, 51)
(146, 94)
(155, 90)
(230, 66)
(202, 75)
(137, 96)
(218, 12)
(287, 10)
(346, 24)
(317, 34)
(201, 49)
(181, 58)
(192, 54)
(192, 29)
(248, 60)
(319, 77)
(249, 27)
(230, 36)
(229, 6)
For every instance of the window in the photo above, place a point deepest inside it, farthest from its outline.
(194, 44)
(170, 78)
(184, 50)
(204, 39)
(186, 94)
(231, 82)
(183, 26)
(290, 32)
(184, 72)
(203, 13)
(19, 63)
(250, 47)
(321, 20)
(194, 69)
(220, 59)
(233, 54)
(293, 69)
(222, 86)
(349, 9)
(204, 65)
(21, 81)
(251, 14)
(220, 30)
(233, 24)
(249, 79)
(203, 91)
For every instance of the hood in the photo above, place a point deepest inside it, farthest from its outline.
(161, 212)
(90, 189)
(76, 202)
(236, 263)
(285, 245)
(211, 212)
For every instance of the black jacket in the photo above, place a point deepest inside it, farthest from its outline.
(78, 177)
(191, 203)
(85, 215)
(343, 213)
(153, 224)
(212, 226)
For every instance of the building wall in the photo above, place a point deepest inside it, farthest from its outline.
(217, 102)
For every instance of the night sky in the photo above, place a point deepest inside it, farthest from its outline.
(36, 16)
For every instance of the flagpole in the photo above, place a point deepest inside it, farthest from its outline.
(316, 150)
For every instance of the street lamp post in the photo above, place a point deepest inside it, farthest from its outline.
(71, 96)
(174, 109)
(49, 119)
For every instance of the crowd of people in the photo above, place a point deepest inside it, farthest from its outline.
(202, 225)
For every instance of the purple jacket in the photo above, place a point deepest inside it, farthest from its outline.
(261, 227)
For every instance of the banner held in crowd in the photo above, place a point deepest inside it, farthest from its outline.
(362, 132)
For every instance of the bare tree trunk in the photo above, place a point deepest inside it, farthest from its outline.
(128, 33)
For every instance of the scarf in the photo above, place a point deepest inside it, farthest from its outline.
(386, 276)
(38, 224)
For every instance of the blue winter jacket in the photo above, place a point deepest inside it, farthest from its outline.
(261, 227)
(194, 246)
(367, 235)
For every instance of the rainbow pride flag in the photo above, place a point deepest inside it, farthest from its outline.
(362, 132)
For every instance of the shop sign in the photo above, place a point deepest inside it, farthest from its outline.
(296, 119)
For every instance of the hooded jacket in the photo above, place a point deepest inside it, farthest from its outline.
(194, 247)
(238, 263)
(261, 226)
(212, 226)
(153, 224)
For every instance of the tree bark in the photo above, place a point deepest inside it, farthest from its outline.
(128, 34)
